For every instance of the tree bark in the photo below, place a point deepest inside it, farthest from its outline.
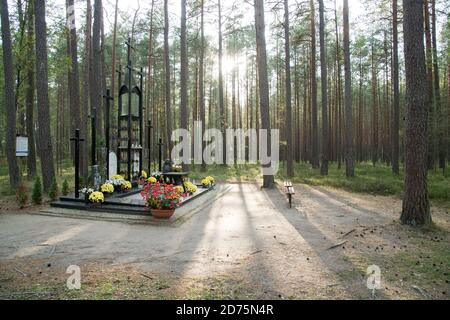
(287, 51)
(184, 115)
(73, 79)
(167, 78)
(324, 79)
(349, 153)
(315, 130)
(84, 154)
(44, 133)
(14, 176)
(223, 120)
(263, 80)
(416, 207)
(201, 72)
(29, 99)
(396, 91)
(96, 76)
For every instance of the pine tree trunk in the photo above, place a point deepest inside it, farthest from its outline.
(263, 80)
(223, 119)
(324, 79)
(84, 154)
(315, 130)
(184, 114)
(167, 79)
(29, 99)
(45, 138)
(416, 207)
(289, 150)
(439, 123)
(429, 64)
(73, 79)
(396, 91)
(201, 88)
(349, 153)
(96, 76)
(14, 176)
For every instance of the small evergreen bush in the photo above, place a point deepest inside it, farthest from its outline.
(53, 190)
(22, 195)
(65, 188)
(37, 191)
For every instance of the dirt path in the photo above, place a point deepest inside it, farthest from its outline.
(250, 236)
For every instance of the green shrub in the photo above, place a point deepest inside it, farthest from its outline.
(65, 188)
(53, 190)
(22, 195)
(37, 191)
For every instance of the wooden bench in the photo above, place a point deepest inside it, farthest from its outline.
(289, 189)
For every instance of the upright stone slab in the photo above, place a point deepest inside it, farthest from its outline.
(112, 164)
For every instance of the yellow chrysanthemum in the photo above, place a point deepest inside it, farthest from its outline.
(97, 197)
(206, 182)
(190, 187)
(179, 189)
(211, 179)
(107, 188)
(126, 185)
(152, 180)
(144, 174)
(117, 177)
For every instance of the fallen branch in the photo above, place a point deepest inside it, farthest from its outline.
(21, 272)
(258, 251)
(144, 275)
(350, 232)
(338, 245)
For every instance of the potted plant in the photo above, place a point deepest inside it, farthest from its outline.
(162, 199)
(107, 189)
(143, 177)
(96, 198)
(152, 180)
(190, 187)
(86, 191)
(126, 186)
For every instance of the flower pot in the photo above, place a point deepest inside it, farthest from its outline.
(162, 214)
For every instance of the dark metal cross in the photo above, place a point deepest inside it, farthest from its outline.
(77, 141)
(160, 144)
(108, 99)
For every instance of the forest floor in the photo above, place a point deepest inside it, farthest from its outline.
(245, 245)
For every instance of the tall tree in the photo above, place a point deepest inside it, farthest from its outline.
(73, 78)
(396, 91)
(315, 129)
(184, 114)
(201, 72)
(416, 206)
(287, 51)
(261, 53)
(223, 120)
(439, 123)
(30, 96)
(96, 76)
(324, 87)
(44, 133)
(349, 153)
(114, 49)
(86, 90)
(167, 77)
(14, 176)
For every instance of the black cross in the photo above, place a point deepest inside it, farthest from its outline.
(160, 144)
(108, 99)
(77, 162)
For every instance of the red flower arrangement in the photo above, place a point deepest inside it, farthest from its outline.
(161, 196)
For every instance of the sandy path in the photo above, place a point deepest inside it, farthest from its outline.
(248, 232)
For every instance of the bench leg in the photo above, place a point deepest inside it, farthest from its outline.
(290, 201)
